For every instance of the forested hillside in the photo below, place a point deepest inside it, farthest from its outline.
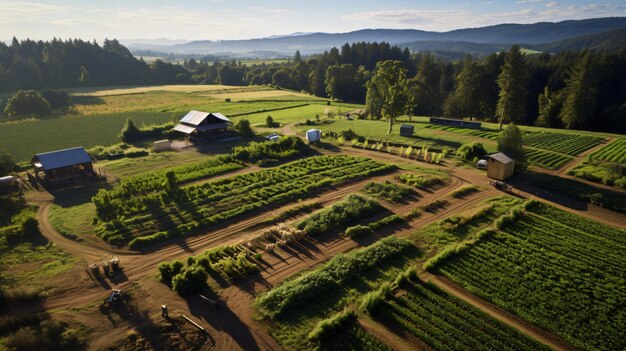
(576, 90)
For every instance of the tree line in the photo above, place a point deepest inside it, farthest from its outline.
(577, 90)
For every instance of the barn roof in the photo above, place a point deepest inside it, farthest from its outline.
(501, 157)
(63, 158)
(184, 129)
(196, 117)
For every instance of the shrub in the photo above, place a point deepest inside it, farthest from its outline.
(7, 164)
(358, 230)
(58, 99)
(339, 215)
(189, 280)
(242, 127)
(30, 227)
(284, 147)
(269, 122)
(471, 151)
(26, 102)
(169, 269)
(371, 301)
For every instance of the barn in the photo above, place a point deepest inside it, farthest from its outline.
(500, 166)
(63, 166)
(203, 125)
(458, 123)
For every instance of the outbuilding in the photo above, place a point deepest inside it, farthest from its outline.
(500, 166)
(457, 123)
(313, 135)
(406, 130)
(162, 145)
(63, 166)
(203, 125)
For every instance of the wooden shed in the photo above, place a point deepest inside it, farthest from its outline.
(500, 166)
(63, 166)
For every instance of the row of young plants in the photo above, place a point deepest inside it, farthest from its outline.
(487, 134)
(267, 152)
(614, 152)
(352, 336)
(360, 230)
(546, 159)
(151, 181)
(568, 144)
(423, 153)
(563, 274)
(389, 191)
(444, 322)
(339, 215)
(301, 290)
(421, 181)
(177, 211)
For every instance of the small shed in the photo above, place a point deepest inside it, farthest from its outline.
(63, 166)
(500, 166)
(162, 145)
(313, 135)
(203, 125)
(406, 130)
(9, 184)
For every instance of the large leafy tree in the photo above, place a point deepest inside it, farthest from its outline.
(549, 106)
(579, 94)
(512, 83)
(389, 84)
(510, 143)
(7, 165)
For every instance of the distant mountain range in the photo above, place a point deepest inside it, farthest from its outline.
(542, 36)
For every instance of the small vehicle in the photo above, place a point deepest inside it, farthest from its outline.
(500, 185)
(115, 297)
(482, 164)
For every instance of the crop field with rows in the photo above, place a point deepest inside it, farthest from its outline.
(614, 152)
(175, 211)
(487, 134)
(546, 159)
(569, 144)
(447, 323)
(566, 278)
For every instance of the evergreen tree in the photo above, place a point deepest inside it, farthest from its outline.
(512, 84)
(549, 106)
(579, 95)
(465, 101)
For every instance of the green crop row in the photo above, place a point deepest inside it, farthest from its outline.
(339, 215)
(389, 191)
(614, 152)
(546, 159)
(569, 144)
(555, 269)
(447, 323)
(324, 279)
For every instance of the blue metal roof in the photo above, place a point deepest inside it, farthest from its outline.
(63, 158)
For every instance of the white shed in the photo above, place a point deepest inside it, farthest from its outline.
(313, 135)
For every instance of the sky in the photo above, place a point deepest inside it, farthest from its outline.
(243, 19)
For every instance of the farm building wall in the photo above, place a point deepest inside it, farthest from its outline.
(498, 170)
(459, 123)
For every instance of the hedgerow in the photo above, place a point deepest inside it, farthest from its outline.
(340, 268)
(423, 181)
(339, 215)
(388, 191)
(283, 148)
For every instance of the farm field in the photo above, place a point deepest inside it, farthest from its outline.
(99, 115)
(381, 242)
(605, 166)
(570, 266)
(443, 322)
(128, 216)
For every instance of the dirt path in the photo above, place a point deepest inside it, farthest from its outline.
(555, 342)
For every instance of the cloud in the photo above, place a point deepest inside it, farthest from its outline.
(528, 1)
(441, 20)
